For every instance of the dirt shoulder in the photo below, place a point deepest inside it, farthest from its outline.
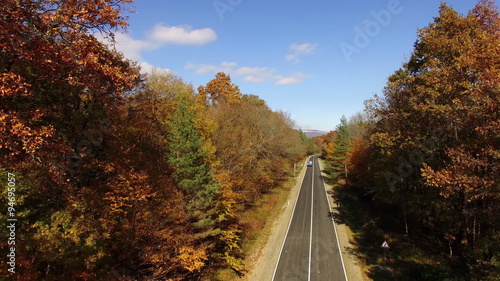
(265, 260)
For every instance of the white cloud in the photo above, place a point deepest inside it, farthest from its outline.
(226, 64)
(132, 48)
(149, 68)
(298, 50)
(225, 67)
(249, 74)
(254, 74)
(289, 80)
(182, 35)
(303, 49)
(159, 36)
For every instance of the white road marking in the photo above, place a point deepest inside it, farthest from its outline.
(289, 223)
(335, 228)
(311, 227)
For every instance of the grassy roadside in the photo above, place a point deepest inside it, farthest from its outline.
(258, 223)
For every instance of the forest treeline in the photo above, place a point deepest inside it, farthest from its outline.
(426, 154)
(118, 175)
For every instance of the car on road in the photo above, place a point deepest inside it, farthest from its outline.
(309, 164)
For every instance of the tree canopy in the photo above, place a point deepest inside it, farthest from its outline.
(433, 144)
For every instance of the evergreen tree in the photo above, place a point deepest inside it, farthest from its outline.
(311, 147)
(338, 161)
(186, 155)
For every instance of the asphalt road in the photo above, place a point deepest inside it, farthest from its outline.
(311, 249)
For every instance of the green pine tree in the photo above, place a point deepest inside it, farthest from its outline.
(186, 156)
(309, 143)
(338, 164)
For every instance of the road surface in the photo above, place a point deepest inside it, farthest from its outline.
(310, 251)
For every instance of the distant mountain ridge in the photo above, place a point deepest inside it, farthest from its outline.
(313, 133)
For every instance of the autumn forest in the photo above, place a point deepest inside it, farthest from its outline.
(116, 175)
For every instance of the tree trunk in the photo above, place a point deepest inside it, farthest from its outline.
(474, 233)
(406, 222)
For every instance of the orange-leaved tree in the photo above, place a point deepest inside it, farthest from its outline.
(437, 134)
(59, 89)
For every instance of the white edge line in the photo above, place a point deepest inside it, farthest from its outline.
(311, 226)
(335, 228)
(290, 222)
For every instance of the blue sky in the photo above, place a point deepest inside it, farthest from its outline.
(316, 60)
